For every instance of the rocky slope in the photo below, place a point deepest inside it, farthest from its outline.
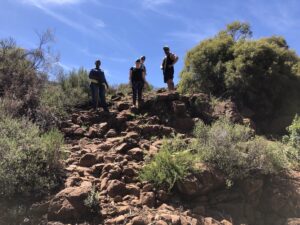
(107, 150)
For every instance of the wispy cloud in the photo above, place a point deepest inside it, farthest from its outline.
(188, 36)
(85, 26)
(52, 2)
(151, 4)
(280, 16)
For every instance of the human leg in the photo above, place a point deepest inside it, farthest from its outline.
(134, 93)
(95, 92)
(140, 92)
(102, 98)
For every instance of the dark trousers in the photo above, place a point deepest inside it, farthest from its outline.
(98, 96)
(137, 89)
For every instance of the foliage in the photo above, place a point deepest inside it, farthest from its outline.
(293, 140)
(92, 200)
(169, 165)
(75, 86)
(235, 150)
(19, 80)
(232, 148)
(30, 161)
(259, 74)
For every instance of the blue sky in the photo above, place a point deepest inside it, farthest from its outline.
(119, 31)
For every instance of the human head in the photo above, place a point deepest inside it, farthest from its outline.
(98, 63)
(138, 63)
(166, 49)
(143, 58)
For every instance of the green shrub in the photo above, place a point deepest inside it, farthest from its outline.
(168, 166)
(258, 74)
(30, 161)
(235, 150)
(293, 140)
(76, 87)
(92, 201)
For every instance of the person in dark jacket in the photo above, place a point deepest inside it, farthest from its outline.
(98, 86)
(137, 80)
(168, 67)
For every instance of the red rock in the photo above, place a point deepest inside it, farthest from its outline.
(179, 108)
(79, 131)
(293, 221)
(130, 172)
(123, 106)
(118, 220)
(136, 153)
(133, 190)
(88, 160)
(68, 204)
(148, 199)
(116, 187)
(122, 148)
(111, 133)
(148, 187)
(225, 222)
(183, 124)
(139, 220)
(162, 195)
(161, 222)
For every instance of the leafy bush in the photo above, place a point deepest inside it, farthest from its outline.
(92, 201)
(168, 166)
(19, 80)
(259, 74)
(293, 140)
(76, 87)
(30, 161)
(235, 150)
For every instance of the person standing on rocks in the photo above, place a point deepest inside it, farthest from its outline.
(98, 86)
(168, 67)
(137, 81)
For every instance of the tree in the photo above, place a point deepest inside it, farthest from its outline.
(238, 30)
(258, 74)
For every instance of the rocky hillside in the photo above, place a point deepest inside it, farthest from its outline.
(107, 151)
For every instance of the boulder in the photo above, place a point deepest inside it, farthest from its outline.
(179, 108)
(136, 153)
(148, 199)
(183, 124)
(139, 220)
(88, 160)
(68, 204)
(207, 180)
(116, 187)
(123, 106)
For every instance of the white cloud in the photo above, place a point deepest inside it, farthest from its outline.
(99, 23)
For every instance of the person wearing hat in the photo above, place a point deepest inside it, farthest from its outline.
(137, 80)
(168, 67)
(98, 86)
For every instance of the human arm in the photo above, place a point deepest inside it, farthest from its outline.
(174, 59)
(130, 76)
(92, 75)
(105, 81)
